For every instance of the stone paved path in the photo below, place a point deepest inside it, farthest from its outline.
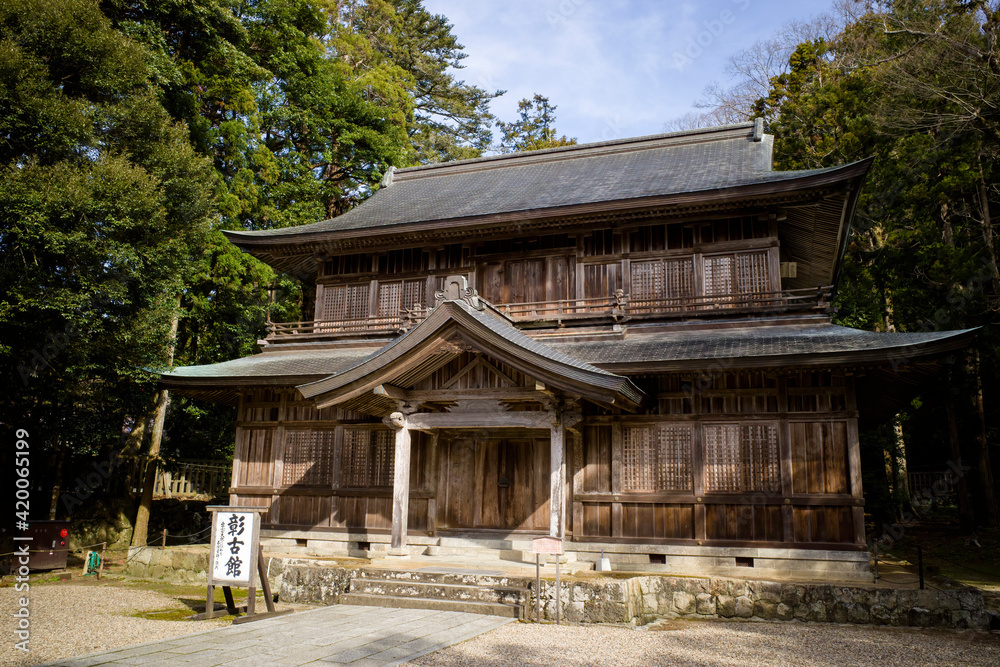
(335, 635)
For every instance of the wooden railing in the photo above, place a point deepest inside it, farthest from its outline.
(193, 477)
(376, 324)
(617, 307)
(812, 298)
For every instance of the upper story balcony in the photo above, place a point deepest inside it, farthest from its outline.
(611, 311)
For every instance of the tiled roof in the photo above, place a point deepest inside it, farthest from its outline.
(501, 338)
(757, 343)
(658, 165)
(319, 363)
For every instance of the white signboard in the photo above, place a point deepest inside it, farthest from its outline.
(233, 547)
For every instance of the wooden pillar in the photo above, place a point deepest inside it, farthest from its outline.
(854, 463)
(400, 484)
(557, 510)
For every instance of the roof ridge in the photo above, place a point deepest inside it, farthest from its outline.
(700, 135)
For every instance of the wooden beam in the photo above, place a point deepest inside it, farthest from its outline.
(431, 420)
(392, 391)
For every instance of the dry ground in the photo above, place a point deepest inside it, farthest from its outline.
(722, 644)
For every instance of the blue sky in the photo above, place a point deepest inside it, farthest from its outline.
(614, 68)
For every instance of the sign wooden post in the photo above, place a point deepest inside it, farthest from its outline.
(234, 558)
(546, 545)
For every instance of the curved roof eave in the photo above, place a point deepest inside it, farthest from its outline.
(295, 238)
(496, 338)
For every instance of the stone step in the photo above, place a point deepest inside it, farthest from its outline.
(439, 591)
(487, 608)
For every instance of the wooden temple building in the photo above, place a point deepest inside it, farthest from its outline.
(625, 344)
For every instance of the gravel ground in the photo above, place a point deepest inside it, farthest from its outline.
(720, 643)
(70, 620)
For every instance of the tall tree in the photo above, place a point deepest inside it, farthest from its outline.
(103, 207)
(534, 129)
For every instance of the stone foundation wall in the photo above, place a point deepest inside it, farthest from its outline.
(174, 564)
(646, 598)
(637, 599)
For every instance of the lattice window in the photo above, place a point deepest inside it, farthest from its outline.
(751, 273)
(719, 276)
(367, 457)
(647, 280)
(345, 302)
(657, 458)
(741, 273)
(742, 457)
(308, 458)
(679, 277)
(393, 297)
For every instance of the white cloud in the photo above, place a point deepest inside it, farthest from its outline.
(608, 65)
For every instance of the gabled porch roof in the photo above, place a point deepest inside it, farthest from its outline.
(456, 326)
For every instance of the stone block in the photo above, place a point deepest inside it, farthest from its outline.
(706, 604)
(879, 615)
(949, 600)
(818, 612)
(858, 613)
(791, 594)
(961, 619)
(927, 599)
(888, 598)
(920, 617)
(765, 609)
(784, 612)
(970, 600)
(684, 603)
(838, 612)
(744, 607)
(770, 591)
(725, 606)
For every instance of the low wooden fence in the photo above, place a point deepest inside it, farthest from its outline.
(193, 477)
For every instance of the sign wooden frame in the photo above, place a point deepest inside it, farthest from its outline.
(255, 566)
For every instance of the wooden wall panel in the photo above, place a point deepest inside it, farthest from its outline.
(657, 521)
(601, 280)
(757, 523)
(824, 524)
(596, 463)
(819, 457)
(255, 455)
(597, 519)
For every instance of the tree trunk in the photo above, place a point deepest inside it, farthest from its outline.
(987, 224)
(900, 481)
(57, 482)
(140, 531)
(981, 475)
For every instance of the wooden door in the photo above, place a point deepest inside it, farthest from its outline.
(491, 483)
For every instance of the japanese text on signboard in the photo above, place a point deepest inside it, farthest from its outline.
(231, 542)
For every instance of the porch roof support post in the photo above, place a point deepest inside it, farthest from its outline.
(400, 483)
(557, 512)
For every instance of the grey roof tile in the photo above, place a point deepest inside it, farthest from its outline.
(276, 364)
(627, 169)
(748, 342)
